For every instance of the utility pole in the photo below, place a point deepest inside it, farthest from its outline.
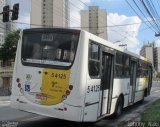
(6, 12)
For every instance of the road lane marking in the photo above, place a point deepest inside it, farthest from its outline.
(3, 102)
(156, 91)
(34, 118)
(4, 105)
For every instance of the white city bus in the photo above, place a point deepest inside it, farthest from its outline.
(74, 75)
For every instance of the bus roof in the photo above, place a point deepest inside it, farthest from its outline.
(51, 29)
(114, 46)
(96, 38)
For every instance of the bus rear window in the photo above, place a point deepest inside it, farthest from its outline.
(56, 48)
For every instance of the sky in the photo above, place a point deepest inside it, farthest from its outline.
(118, 12)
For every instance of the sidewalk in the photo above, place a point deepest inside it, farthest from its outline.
(4, 98)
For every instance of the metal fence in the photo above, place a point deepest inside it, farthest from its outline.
(5, 91)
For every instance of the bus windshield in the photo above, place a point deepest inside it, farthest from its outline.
(52, 48)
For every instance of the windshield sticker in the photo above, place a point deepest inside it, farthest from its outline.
(27, 88)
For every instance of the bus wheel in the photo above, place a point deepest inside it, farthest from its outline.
(141, 101)
(145, 93)
(119, 107)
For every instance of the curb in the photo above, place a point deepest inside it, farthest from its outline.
(4, 98)
(137, 118)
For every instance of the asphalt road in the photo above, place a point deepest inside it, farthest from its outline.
(24, 119)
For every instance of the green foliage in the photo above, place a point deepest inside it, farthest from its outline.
(8, 49)
(152, 113)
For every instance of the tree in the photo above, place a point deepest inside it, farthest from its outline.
(8, 49)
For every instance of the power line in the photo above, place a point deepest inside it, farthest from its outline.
(69, 27)
(155, 11)
(138, 14)
(70, 20)
(119, 25)
(148, 9)
(144, 14)
(84, 27)
(150, 13)
(105, 19)
(75, 6)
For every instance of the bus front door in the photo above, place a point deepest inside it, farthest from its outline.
(106, 83)
(132, 87)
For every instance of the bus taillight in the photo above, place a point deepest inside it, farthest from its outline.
(67, 92)
(19, 85)
(17, 80)
(71, 87)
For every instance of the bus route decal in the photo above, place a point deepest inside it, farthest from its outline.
(55, 83)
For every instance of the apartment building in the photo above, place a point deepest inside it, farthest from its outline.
(6, 68)
(157, 58)
(6, 72)
(50, 13)
(152, 53)
(94, 21)
(147, 51)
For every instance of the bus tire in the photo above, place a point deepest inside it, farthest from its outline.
(119, 107)
(145, 93)
(142, 100)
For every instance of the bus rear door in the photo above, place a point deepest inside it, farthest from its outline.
(132, 88)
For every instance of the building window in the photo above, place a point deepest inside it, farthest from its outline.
(122, 66)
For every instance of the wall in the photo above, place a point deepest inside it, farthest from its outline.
(6, 72)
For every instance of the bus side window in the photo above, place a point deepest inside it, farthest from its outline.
(119, 65)
(142, 69)
(94, 60)
(126, 71)
(122, 65)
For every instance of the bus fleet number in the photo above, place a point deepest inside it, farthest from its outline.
(60, 76)
(94, 88)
